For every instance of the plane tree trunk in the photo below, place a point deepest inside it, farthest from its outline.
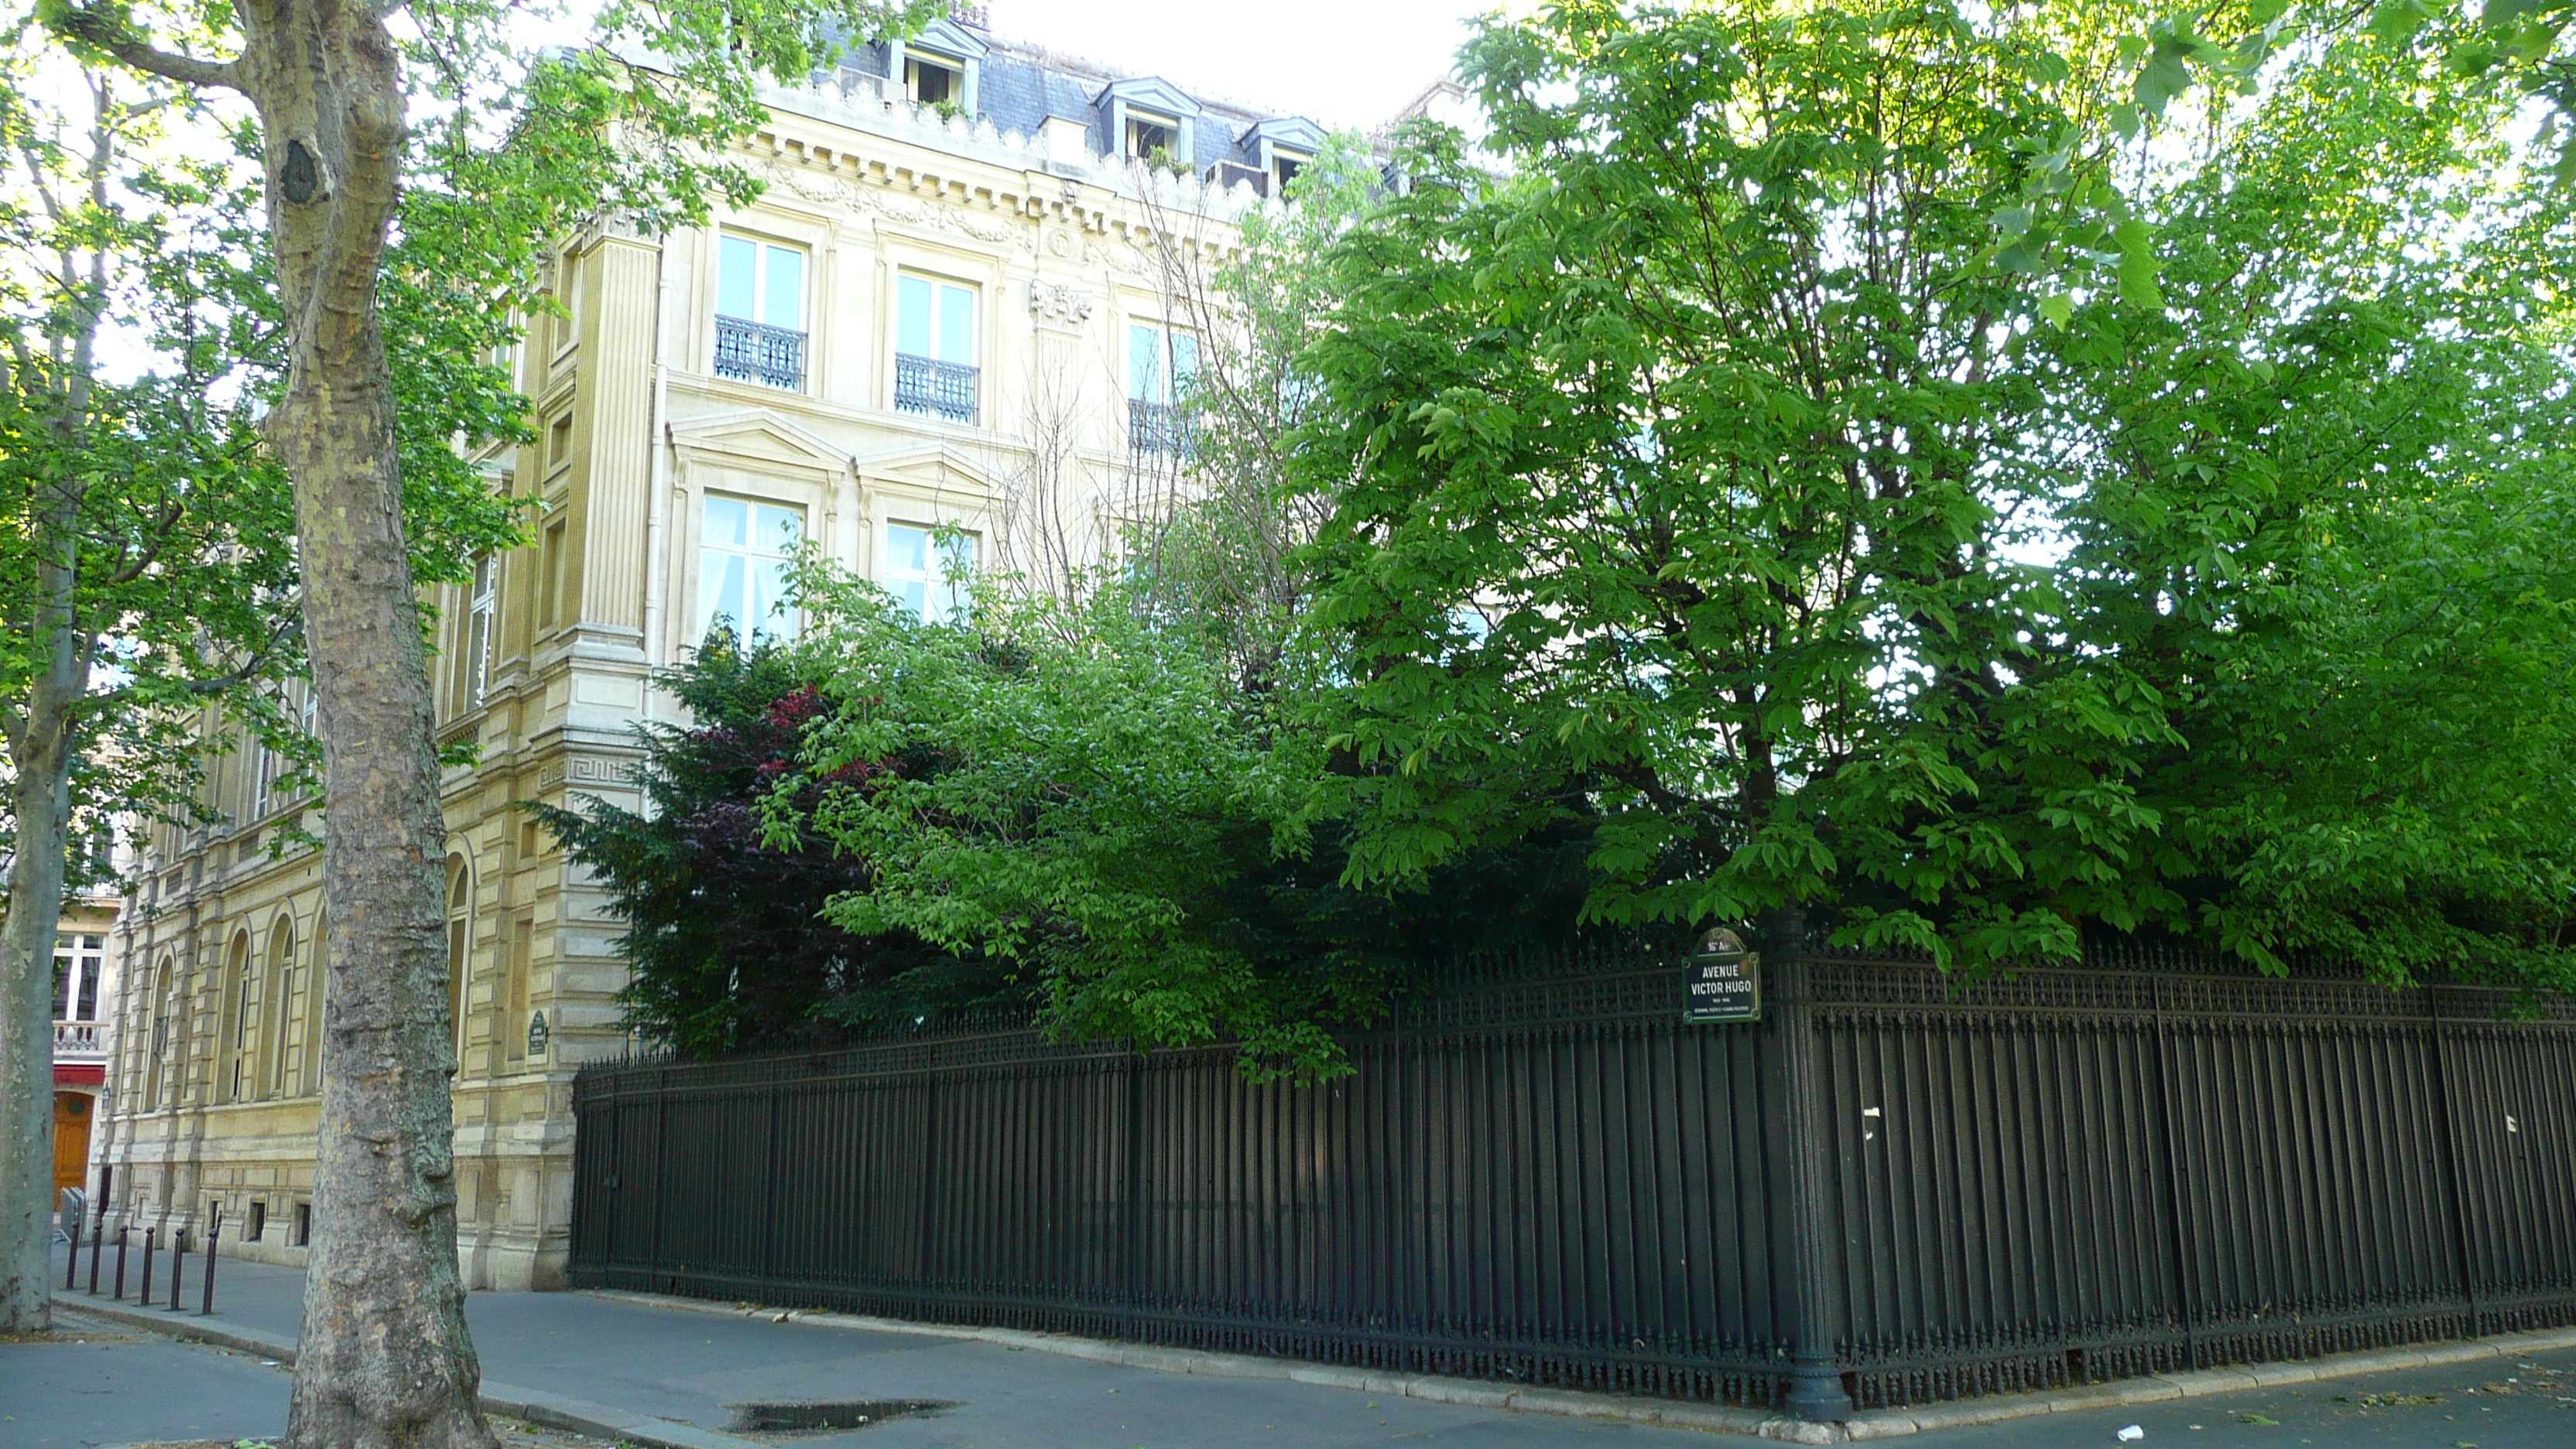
(385, 1360)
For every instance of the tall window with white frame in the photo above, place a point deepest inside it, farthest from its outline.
(160, 1074)
(460, 941)
(241, 1011)
(934, 348)
(482, 609)
(280, 998)
(80, 958)
(760, 311)
(266, 765)
(1161, 361)
(743, 554)
(927, 571)
(271, 764)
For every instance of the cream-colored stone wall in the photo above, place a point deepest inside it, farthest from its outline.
(215, 1076)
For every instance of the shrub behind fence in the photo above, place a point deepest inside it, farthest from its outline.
(2070, 1176)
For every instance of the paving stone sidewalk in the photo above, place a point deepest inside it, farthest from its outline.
(682, 1369)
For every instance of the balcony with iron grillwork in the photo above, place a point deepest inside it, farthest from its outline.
(941, 389)
(757, 352)
(1154, 427)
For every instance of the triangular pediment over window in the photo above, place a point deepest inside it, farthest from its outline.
(1150, 93)
(759, 435)
(931, 467)
(948, 38)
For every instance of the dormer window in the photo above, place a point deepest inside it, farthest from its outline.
(1148, 133)
(933, 80)
(1279, 148)
(1149, 119)
(938, 67)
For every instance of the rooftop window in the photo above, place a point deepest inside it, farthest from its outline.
(1148, 133)
(934, 81)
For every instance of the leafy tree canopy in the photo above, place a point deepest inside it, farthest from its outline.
(1047, 806)
(1804, 462)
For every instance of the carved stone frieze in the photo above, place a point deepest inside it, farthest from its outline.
(1054, 304)
(856, 195)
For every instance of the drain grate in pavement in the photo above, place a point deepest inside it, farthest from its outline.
(825, 1418)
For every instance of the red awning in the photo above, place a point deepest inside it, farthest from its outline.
(80, 1074)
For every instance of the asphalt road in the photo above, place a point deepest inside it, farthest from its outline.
(97, 1385)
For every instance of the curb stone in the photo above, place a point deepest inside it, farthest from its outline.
(1676, 1414)
(553, 1411)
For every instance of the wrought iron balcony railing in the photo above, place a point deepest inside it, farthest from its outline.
(927, 385)
(1157, 428)
(757, 352)
(77, 1038)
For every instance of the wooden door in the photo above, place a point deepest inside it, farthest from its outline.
(71, 1140)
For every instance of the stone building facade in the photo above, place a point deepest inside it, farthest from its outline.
(84, 1006)
(952, 308)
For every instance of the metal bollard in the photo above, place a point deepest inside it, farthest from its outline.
(71, 1264)
(143, 1292)
(97, 1246)
(178, 1264)
(124, 1234)
(214, 1233)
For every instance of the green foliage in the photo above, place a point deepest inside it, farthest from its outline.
(1060, 807)
(148, 567)
(2326, 515)
(1090, 799)
(1732, 474)
(726, 944)
(1672, 485)
(1081, 801)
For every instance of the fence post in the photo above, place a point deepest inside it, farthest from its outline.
(1131, 1217)
(580, 1140)
(1813, 1212)
(661, 1175)
(929, 1166)
(769, 1182)
(2454, 1171)
(2178, 1240)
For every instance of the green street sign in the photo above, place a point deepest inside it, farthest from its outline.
(1722, 981)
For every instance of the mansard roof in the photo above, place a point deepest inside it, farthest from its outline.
(1020, 87)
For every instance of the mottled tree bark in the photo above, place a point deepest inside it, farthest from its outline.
(42, 734)
(385, 1359)
(40, 753)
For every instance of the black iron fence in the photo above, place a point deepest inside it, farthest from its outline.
(1890, 1188)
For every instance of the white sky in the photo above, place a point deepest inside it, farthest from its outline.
(1347, 64)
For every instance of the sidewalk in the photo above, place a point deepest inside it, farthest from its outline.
(668, 1371)
(686, 1368)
